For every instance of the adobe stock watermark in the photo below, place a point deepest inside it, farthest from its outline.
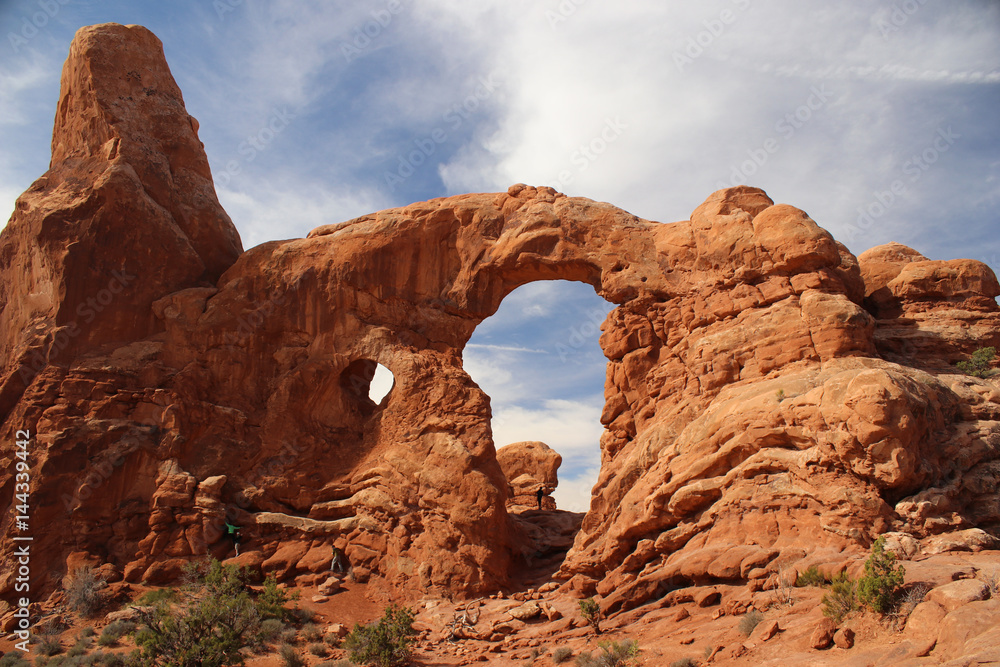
(589, 152)
(564, 10)
(786, 127)
(96, 475)
(364, 36)
(578, 336)
(30, 25)
(898, 15)
(697, 44)
(452, 120)
(247, 324)
(87, 311)
(913, 169)
(255, 143)
(223, 7)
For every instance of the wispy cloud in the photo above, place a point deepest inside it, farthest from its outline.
(504, 348)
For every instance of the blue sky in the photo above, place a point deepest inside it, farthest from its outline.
(879, 119)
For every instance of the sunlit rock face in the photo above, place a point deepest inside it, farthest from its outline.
(762, 399)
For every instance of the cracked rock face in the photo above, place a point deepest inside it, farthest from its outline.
(763, 400)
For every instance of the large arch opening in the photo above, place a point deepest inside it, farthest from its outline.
(539, 361)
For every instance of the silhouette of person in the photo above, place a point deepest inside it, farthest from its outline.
(540, 494)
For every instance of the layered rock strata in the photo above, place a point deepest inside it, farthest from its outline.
(760, 406)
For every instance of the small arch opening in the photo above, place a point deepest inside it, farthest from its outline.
(368, 382)
(382, 383)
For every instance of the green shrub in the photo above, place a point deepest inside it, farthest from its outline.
(270, 629)
(83, 594)
(271, 600)
(88, 631)
(114, 631)
(877, 587)
(79, 648)
(561, 655)
(811, 577)
(289, 657)
(385, 643)
(841, 600)
(591, 613)
(979, 365)
(210, 631)
(750, 620)
(157, 596)
(14, 659)
(613, 654)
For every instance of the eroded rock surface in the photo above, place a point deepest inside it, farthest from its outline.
(760, 409)
(529, 467)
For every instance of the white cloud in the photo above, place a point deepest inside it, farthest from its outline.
(571, 428)
(282, 208)
(574, 494)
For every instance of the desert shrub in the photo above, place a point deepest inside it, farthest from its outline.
(271, 629)
(979, 364)
(338, 663)
(301, 615)
(14, 659)
(591, 613)
(877, 586)
(289, 657)
(684, 662)
(561, 655)
(210, 631)
(750, 620)
(319, 648)
(811, 577)
(385, 643)
(157, 596)
(910, 599)
(311, 633)
(83, 591)
(841, 599)
(332, 639)
(992, 581)
(613, 654)
(48, 645)
(271, 600)
(79, 648)
(114, 631)
(88, 631)
(289, 636)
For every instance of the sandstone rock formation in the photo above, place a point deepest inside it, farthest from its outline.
(528, 467)
(764, 404)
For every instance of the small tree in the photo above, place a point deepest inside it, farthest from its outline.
(877, 587)
(979, 365)
(591, 612)
(385, 643)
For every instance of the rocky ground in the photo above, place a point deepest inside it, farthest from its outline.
(949, 615)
